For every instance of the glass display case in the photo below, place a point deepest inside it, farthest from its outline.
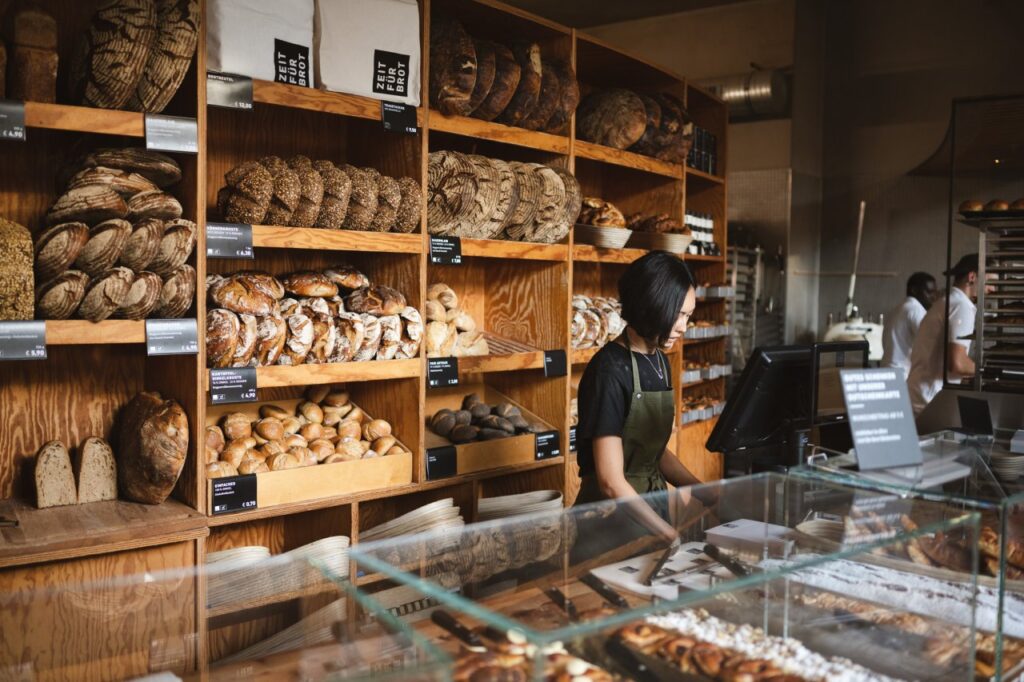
(956, 472)
(171, 625)
(813, 561)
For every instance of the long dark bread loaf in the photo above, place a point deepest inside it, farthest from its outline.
(528, 92)
(177, 25)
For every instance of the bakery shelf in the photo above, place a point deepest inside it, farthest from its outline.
(84, 332)
(312, 99)
(703, 258)
(597, 254)
(506, 356)
(243, 611)
(497, 132)
(701, 176)
(619, 157)
(275, 237)
(499, 248)
(307, 375)
(702, 382)
(992, 222)
(582, 357)
(84, 119)
(80, 530)
(394, 491)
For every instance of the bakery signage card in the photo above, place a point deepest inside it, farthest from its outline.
(397, 117)
(233, 385)
(228, 90)
(445, 251)
(233, 494)
(172, 337)
(555, 363)
(292, 63)
(390, 73)
(548, 445)
(12, 120)
(172, 134)
(442, 372)
(441, 462)
(228, 240)
(881, 421)
(23, 340)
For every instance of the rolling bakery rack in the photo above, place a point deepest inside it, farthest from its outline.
(519, 292)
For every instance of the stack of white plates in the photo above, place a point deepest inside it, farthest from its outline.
(538, 501)
(825, 529)
(1007, 465)
(233, 574)
(311, 564)
(310, 631)
(440, 515)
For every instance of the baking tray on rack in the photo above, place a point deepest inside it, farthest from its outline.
(992, 215)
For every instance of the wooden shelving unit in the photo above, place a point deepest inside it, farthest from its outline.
(518, 292)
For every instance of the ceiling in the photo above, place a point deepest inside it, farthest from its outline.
(587, 13)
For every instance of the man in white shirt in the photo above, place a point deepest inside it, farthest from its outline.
(902, 322)
(935, 346)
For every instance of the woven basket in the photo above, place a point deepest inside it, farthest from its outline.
(605, 237)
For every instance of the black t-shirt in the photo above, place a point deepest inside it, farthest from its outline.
(605, 394)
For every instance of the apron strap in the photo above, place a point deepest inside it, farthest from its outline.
(636, 371)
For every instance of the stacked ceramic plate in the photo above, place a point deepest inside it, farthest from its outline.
(310, 564)
(234, 574)
(317, 628)
(825, 529)
(1008, 466)
(439, 515)
(535, 502)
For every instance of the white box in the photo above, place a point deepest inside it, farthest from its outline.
(268, 40)
(751, 537)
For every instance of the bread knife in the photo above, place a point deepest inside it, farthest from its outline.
(447, 621)
(563, 602)
(660, 564)
(603, 589)
(730, 564)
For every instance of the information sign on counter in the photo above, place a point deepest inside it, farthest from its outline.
(234, 494)
(881, 420)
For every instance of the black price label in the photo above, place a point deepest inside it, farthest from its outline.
(228, 240)
(228, 90)
(446, 251)
(23, 340)
(572, 439)
(291, 63)
(12, 120)
(172, 134)
(442, 372)
(548, 445)
(233, 385)
(399, 118)
(234, 494)
(391, 73)
(441, 462)
(555, 364)
(172, 337)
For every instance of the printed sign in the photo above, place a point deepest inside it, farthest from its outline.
(446, 251)
(442, 372)
(234, 494)
(548, 445)
(172, 337)
(390, 73)
(441, 462)
(228, 90)
(398, 117)
(228, 240)
(12, 120)
(881, 421)
(172, 134)
(23, 340)
(233, 385)
(291, 63)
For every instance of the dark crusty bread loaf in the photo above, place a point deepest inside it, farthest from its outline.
(614, 118)
(503, 86)
(152, 444)
(32, 36)
(484, 72)
(452, 67)
(528, 91)
(55, 480)
(548, 102)
(177, 25)
(95, 471)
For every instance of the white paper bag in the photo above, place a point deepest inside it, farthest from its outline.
(264, 39)
(369, 48)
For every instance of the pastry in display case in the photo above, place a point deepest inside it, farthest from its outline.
(744, 594)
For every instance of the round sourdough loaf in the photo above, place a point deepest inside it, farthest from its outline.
(152, 447)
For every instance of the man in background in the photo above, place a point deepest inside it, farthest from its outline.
(902, 322)
(934, 346)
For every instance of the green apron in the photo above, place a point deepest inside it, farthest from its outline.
(644, 437)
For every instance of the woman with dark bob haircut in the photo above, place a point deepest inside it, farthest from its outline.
(626, 407)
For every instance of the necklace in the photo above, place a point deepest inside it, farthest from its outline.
(657, 368)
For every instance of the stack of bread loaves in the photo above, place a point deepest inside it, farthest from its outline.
(256, 319)
(476, 197)
(304, 193)
(653, 125)
(451, 331)
(324, 428)
(489, 81)
(595, 321)
(116, 244)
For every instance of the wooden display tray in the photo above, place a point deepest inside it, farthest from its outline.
(289, 486)
(487, 454)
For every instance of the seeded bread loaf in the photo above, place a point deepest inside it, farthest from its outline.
(17, 289)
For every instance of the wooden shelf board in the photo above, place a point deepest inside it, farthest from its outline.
(694, 342)
(701, 176)
(582, 357)
(499, 248)
(328, 502)
(619, 157)
(275, 237)
(702, 382)
(597, 254)
(84, 332)
(307, 375)
(497, 132)
(84, 119)
(701, 258)
(501, 363)
(80, 530)
(312, 99)
(255, 608)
